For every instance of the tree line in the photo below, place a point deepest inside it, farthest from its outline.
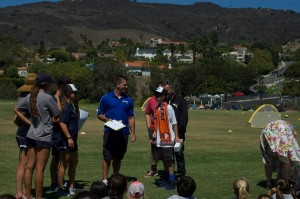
(210, 73)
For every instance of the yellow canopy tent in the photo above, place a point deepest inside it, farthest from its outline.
(143, 107)
(263, 115)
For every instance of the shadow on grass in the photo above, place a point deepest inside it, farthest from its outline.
(52, 194)
(264, 182)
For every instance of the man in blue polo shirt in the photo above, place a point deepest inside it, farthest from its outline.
(116, 105)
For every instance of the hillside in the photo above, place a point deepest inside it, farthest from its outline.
(70, 22)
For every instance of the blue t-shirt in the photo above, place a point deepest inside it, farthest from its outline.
(117, 109)
(70, 118)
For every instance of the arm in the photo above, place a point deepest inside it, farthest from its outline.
(148, 125)
(65, 131)
(22, 117)
(103, 118)
(175, 129)
(183, 116)
(131, 122)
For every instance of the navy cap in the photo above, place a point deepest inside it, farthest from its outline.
(43, 78)
(63, 81)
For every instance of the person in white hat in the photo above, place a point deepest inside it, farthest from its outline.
(68, 146)
(23, 127)
(136, 190)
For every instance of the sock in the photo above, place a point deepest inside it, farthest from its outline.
(171, 177)
(153, 167)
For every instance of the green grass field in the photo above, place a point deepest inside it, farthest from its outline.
(214, 157)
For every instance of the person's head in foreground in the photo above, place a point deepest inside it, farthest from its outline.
(241, 188)
(100, 189)
(85, 195)
(264, 196)
(117, 186)
(282, 187)
(136, 190)
(7, 196)
(186, 186)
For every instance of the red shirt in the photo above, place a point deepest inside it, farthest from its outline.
(150, 109)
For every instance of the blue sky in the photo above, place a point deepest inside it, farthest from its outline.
(275, 4)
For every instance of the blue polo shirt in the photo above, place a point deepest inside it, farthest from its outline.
(117, 109)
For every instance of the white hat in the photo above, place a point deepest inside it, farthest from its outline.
(136, 189)
(74, 89)
(159, 89)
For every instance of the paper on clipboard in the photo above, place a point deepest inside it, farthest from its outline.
(83, 117)
(115, 125)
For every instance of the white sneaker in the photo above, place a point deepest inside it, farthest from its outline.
(105, 181)
(72, 191)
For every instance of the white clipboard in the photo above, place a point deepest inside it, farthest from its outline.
(115, 125)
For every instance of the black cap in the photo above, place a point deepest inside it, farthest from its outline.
(43, 78)
(63, 81)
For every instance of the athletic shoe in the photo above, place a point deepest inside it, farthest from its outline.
(62, 192)
(72, 191)
(53, 187)
(105, 182)
(171, 185)
(162, 183)
(65, 184)
(151, 174)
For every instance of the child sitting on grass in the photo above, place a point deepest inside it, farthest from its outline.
(241, 188)
(186, 187)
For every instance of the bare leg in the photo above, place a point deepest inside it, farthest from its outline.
(42, 156)
(72, 168)
(63, 165)
(20, 172)
(54, 169)
(285, 170)
(116, 166)
(269, 172)
(31, 157)
(105, 168)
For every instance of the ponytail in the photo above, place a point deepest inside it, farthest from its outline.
(32, 100)
(241, 188)
(243, 194)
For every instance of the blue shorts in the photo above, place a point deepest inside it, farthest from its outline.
(22, 143)
(55, 149)
(38, 144)
(64, 146)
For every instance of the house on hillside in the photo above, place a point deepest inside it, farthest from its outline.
(179, 57)
(239, 53)
(145, 53)
(22, 71)
(160, 42)
(140, 68)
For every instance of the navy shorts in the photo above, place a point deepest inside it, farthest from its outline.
(38, 144)
(55, 149)
(163, 153)
(114, 145)
(64, 146)
(22, 142)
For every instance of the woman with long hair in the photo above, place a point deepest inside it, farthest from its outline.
(43, 112)
(68, 146)
(23, 127)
